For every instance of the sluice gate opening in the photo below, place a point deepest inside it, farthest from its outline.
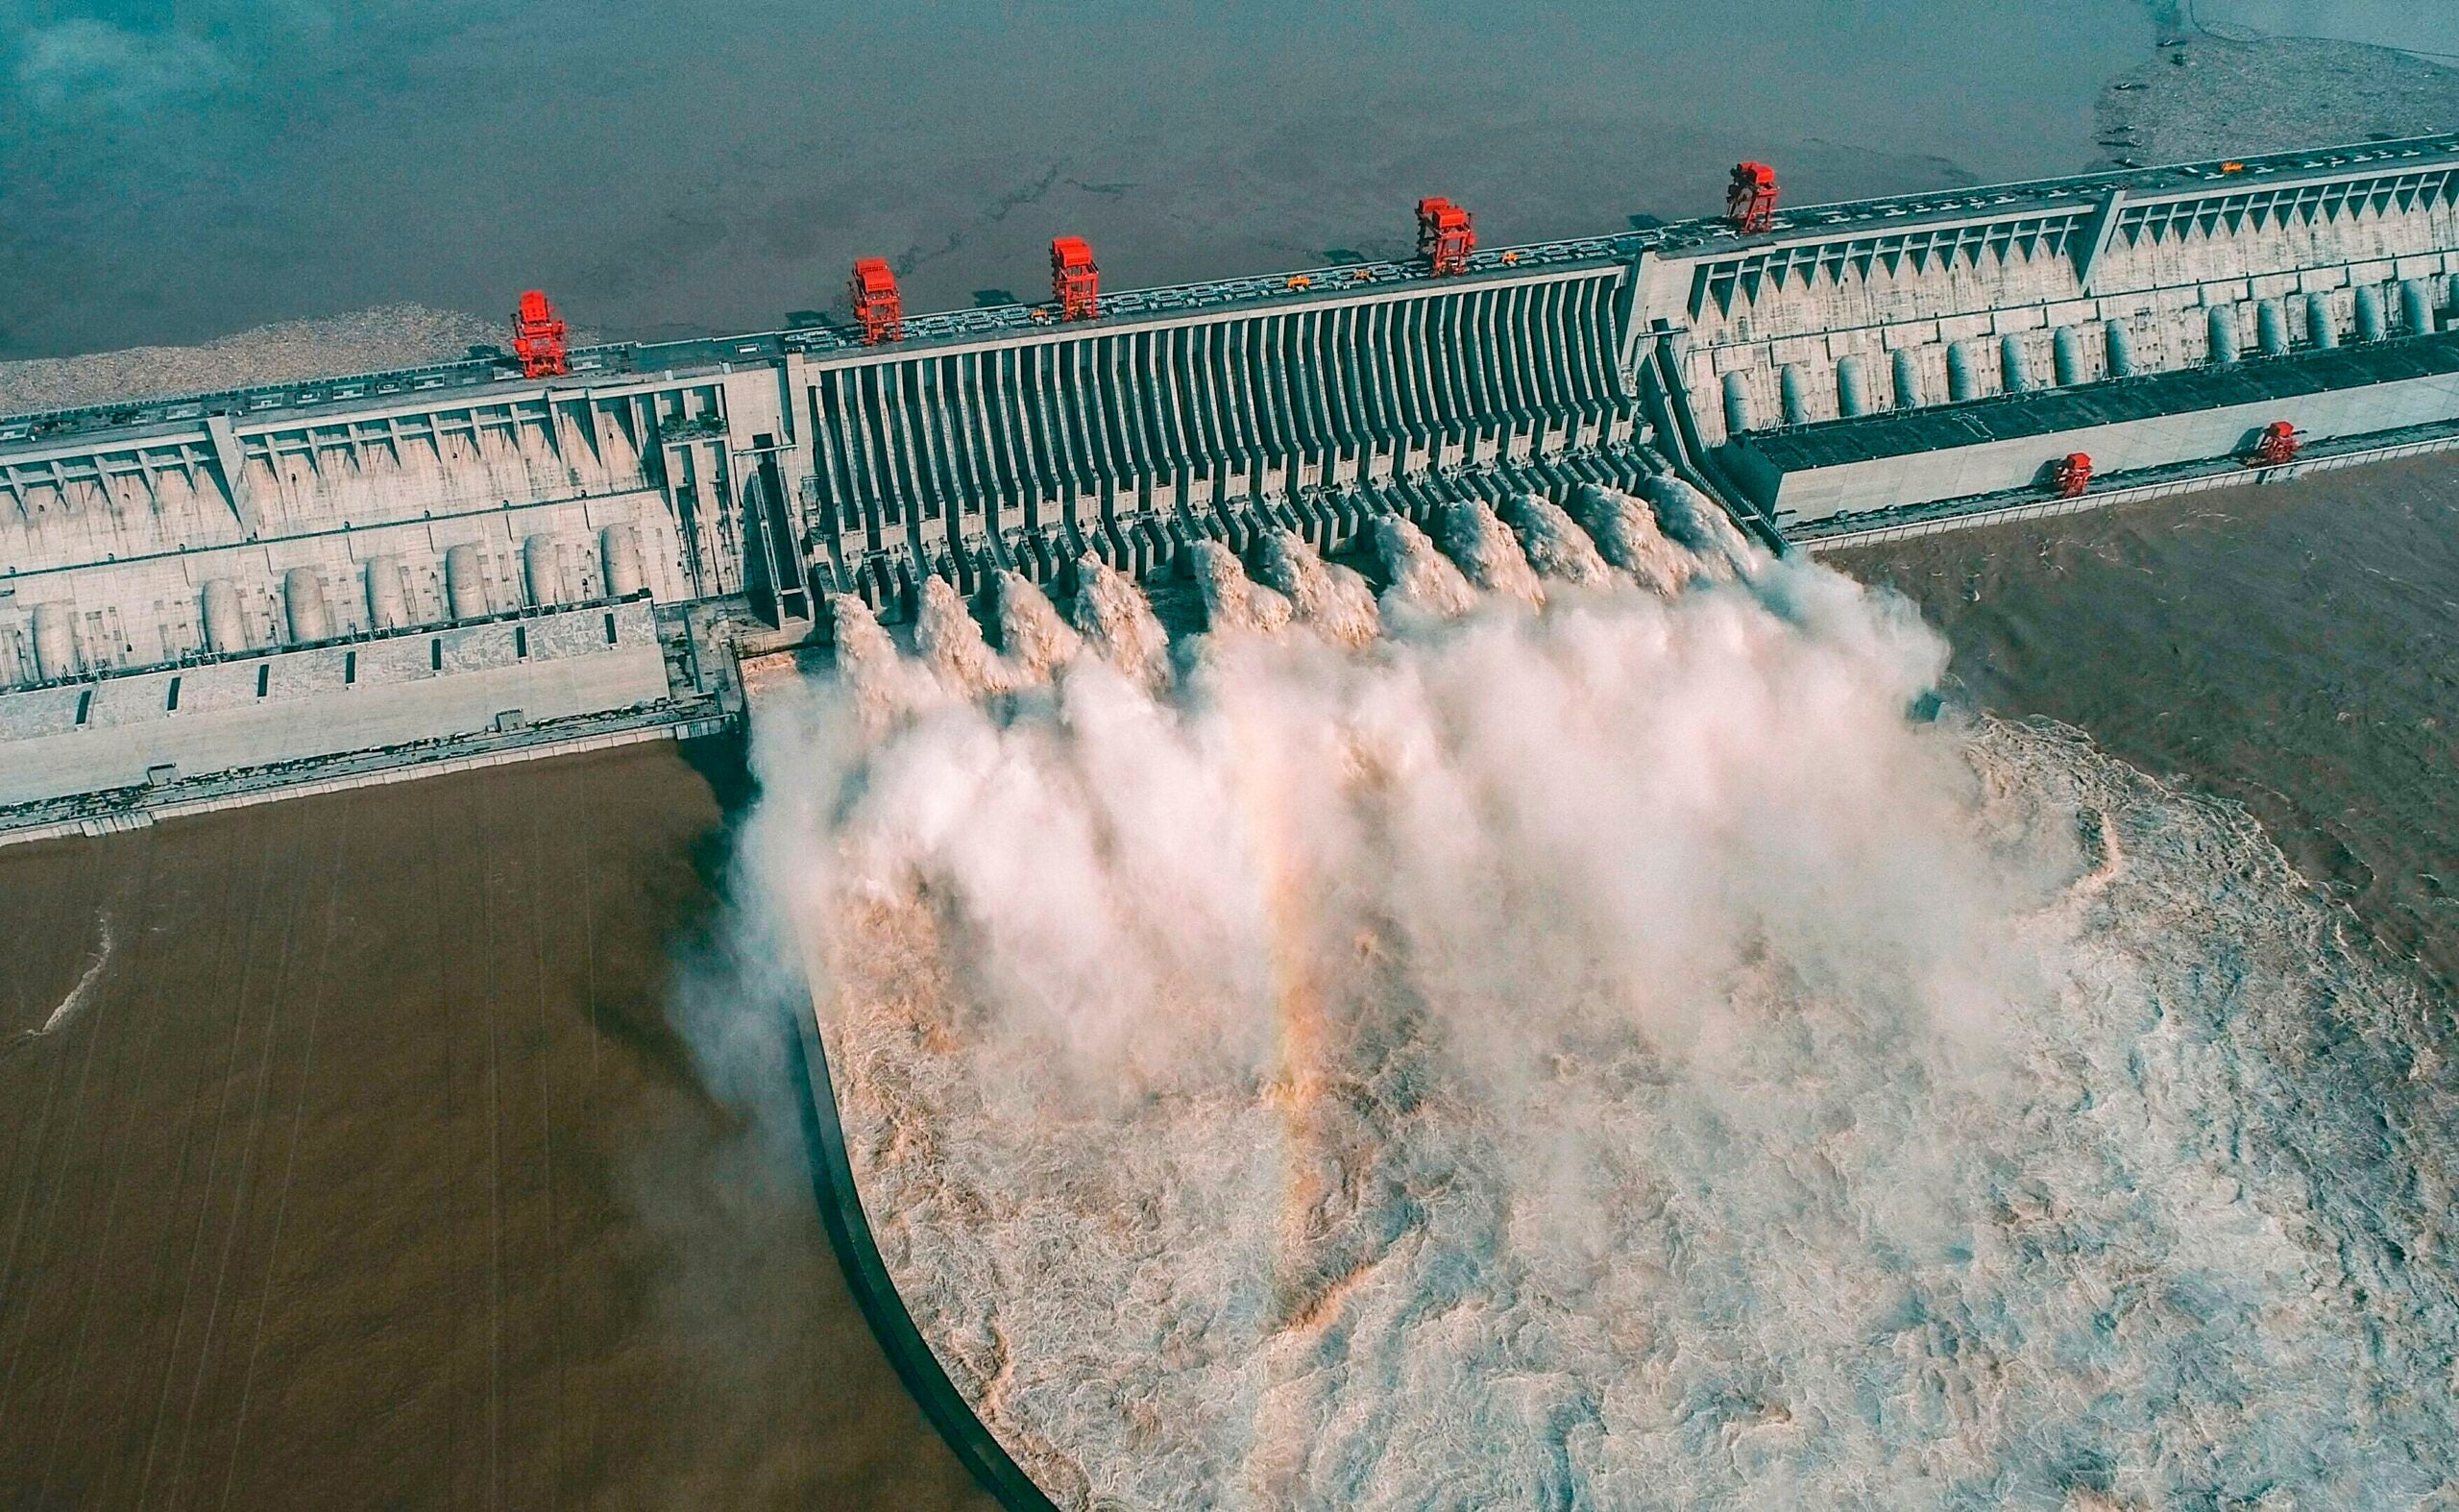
(732, 483)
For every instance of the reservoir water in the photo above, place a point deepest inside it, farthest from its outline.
(177, 173)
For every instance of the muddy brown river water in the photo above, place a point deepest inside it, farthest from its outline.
(364, 1169)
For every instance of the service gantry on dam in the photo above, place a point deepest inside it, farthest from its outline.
(206, 597)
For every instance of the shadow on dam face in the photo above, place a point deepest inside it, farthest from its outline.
(347, 1153)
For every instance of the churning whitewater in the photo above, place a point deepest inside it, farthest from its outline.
(1570, 1028)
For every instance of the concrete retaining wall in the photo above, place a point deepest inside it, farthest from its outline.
(1920, 477)
(1869, 530)
(83, 737)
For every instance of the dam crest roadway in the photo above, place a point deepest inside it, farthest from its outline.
(213, 597)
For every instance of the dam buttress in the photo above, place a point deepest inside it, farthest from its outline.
(209, 598)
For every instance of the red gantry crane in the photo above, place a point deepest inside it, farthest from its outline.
(2072, 475)
(1074, 281)
(1750, 200)
(877, 303)
(1445, 237)
(538, 338)
(2278, 444)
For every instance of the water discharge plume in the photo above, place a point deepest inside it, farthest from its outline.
(1114, 615)
(952, 643)
(1331, 598)
(1423, 580)
(1626, 534)
(1489, 554)
(882, 686)
(1234, 602)
(1033, 638)
(1615, 1056)
(1557, 548)
(1693, 519)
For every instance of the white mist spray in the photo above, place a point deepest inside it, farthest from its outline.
(1425, 582)
(1119, 623)
(1488, 553)
(1234, 603)
(1557, 548)
(1033, 639)
(1333, 599)
(1611, 1057)
(1691, 519)
(1625, 532)
(952, 643)
(882, 686)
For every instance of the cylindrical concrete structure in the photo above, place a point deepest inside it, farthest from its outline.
(2370, 325)
(1852, 384)
(2319, 328)
(2012, 377)
(2221, 321)
(1792, 387)
(541, 562)
(2270, 328)
(465, 582)
(1736, 402)
(1962, 382)
(55, 642)
(2416, 307)
(2066, 357)
(2121, 349)
(1907, 380)
(388, 598)
(226, 629)
(302, 598)
(626, 573)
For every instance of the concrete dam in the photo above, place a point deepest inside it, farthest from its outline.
(207, 599)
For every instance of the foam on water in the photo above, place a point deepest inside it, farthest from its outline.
(1625, 532)
(1612, 1056)
(83, 987)
(1334, 600)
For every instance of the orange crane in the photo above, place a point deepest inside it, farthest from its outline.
(2072, 474)
(1750, 200)
(1074, 281)
(2277, 444)
(538, 338)
(877, 303)
(1445, 237)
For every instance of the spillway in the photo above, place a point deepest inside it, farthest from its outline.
(1615, 1026)
(1883, 365)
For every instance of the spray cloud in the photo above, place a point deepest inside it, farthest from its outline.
(1605, 1055)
